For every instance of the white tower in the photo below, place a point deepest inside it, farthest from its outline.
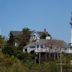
(0, 31)
(71, 30)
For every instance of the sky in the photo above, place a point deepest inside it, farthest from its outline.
(54, 15)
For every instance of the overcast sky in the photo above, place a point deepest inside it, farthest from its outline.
(54, 15)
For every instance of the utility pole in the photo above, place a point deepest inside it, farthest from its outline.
(39, 57)
(36, 57)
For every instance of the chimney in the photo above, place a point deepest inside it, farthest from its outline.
(45, 30)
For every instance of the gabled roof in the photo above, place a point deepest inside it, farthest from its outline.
(49, 43)
(56, 43)
(16, 33)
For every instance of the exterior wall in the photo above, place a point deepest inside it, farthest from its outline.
(29, 49)
(47, 49)
(68, 50)
(42, 50)
(16, 44)
(48, 38)
(36, 49)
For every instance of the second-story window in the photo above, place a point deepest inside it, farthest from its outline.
(41, 46)
(37, 46)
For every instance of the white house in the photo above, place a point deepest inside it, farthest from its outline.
(43, 45)
(35, 35)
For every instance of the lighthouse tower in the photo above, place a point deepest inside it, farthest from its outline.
(0, 31)
(71, 30)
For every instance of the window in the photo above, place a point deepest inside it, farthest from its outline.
(41, 46)
(25, 50)
(34, 35)
(32, 46)
(37, 46)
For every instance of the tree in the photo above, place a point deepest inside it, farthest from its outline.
(24, 38)
(2, 41)
(11, 41)
(9, 47)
